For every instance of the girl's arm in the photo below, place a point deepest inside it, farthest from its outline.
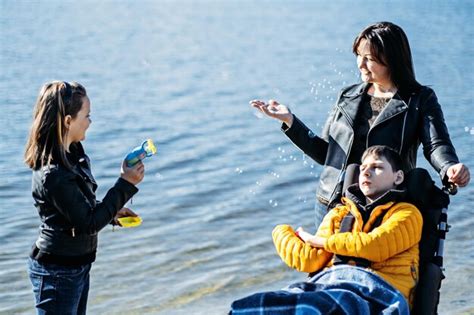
(64, 193)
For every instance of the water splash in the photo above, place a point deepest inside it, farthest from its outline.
(258, 114)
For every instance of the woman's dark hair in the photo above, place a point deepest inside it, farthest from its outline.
(388, 153)
(55, 101)
(389, 46)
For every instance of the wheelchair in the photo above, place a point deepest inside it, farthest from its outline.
(432, 202)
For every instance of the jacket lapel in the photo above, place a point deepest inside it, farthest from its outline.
(351, 101)
(394, 107)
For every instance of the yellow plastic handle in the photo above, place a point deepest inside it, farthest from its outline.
(129, 222)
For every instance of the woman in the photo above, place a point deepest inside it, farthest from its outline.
(64, 192)
(388, 108)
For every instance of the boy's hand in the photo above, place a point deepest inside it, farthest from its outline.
(301, 233)
(134, 174)
(313, 240)
(124, 212)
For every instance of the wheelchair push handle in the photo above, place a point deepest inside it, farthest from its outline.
(450, 188)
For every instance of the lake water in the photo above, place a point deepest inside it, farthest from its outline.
(182, 73)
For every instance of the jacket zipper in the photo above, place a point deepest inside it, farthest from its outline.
(404, 124)
(342, 173)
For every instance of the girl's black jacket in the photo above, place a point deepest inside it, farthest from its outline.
(70, 214)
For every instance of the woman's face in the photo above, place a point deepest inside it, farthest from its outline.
(371, 70)
(79, 124)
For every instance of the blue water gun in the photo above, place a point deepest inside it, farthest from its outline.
(139, 153)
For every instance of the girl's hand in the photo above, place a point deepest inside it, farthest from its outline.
(458, 174)
(124, 212)
(275, 110)
(134, 174)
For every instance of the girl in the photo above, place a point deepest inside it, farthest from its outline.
(64, 192)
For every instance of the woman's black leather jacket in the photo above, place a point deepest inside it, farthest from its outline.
(402, 125)
(69, 212)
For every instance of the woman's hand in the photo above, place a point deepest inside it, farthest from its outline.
(458, 174)
(134, 174)
(275, 110)
(124, 212)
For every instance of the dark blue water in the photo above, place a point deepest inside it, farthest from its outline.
(182, 73)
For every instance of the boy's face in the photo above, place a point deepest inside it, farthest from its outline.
(377, 177)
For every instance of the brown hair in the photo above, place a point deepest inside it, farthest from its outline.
(390, 154)
(55, 101)
(389, 46)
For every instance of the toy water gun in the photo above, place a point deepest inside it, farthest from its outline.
(147, 149)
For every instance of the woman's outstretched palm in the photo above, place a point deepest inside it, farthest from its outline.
(275, 110)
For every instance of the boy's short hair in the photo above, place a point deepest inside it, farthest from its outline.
(390, 154)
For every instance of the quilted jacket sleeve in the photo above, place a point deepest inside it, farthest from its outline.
(299, 255)
(400, 230)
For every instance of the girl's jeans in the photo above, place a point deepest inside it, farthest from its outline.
(59, 289)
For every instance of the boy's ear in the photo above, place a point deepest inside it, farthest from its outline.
(399, 177)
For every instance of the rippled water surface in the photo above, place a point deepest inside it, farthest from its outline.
(182, 73)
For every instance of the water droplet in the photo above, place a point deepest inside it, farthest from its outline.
(466, 129)
(158, 176)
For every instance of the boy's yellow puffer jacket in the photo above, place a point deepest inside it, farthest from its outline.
(392, 247)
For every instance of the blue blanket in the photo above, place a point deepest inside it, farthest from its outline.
(340, 289)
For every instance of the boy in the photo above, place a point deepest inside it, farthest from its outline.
(371, 235)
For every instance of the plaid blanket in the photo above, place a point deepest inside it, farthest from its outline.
(340, 289)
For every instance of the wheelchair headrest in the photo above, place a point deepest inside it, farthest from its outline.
(421, 189)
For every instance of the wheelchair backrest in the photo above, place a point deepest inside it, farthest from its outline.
(426, 196)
